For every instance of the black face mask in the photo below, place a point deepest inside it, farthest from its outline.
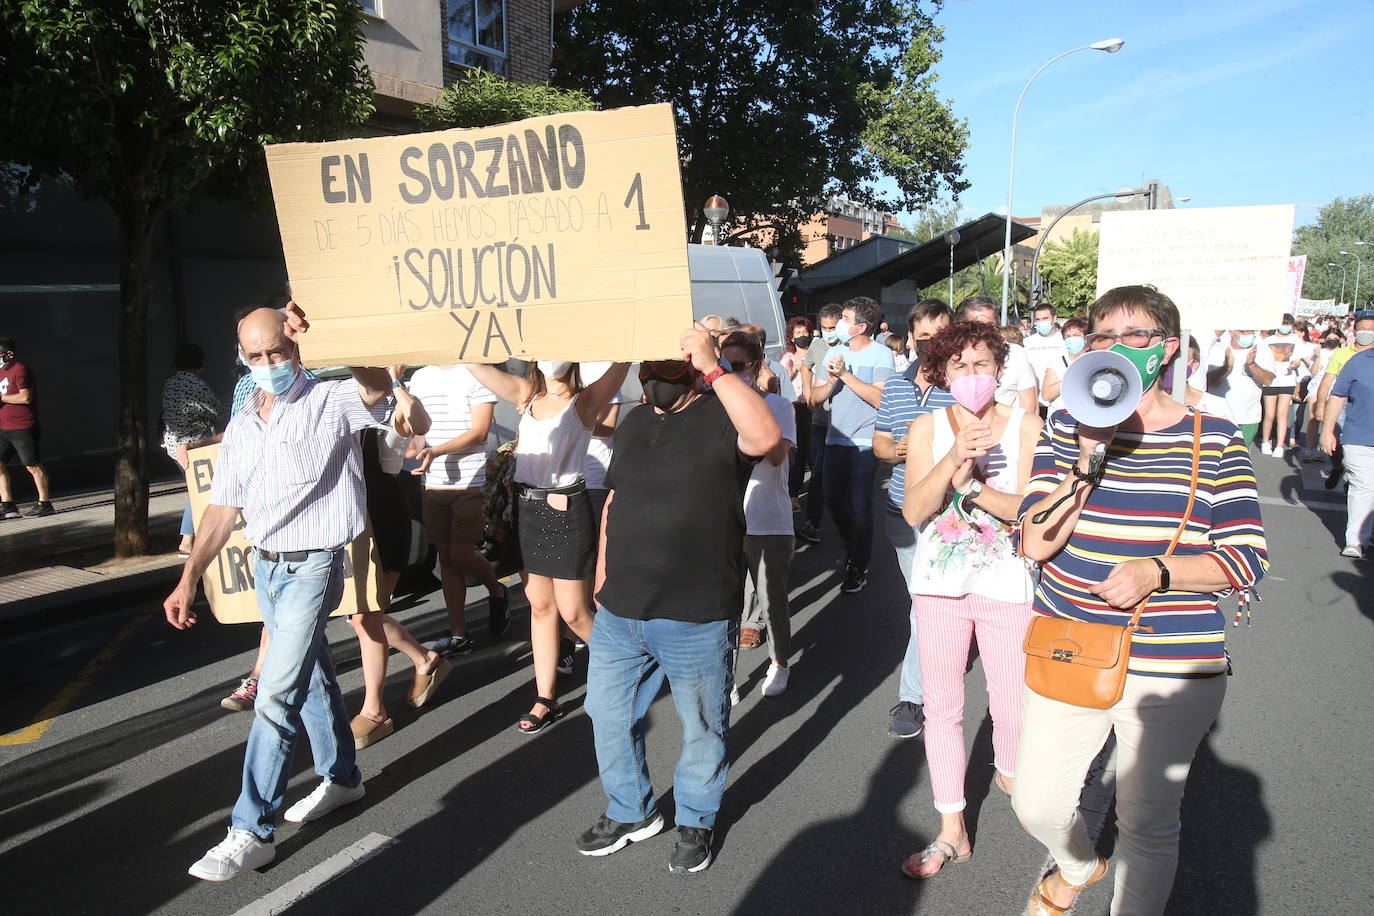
(1331, 344)
(663, 393)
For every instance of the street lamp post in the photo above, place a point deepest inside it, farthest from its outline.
(1359, 265)
(1342, 267)
(951, 239)
(1111, 46)
(716, 209)
(1045, 236)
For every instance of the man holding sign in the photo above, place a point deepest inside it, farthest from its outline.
(290, 460)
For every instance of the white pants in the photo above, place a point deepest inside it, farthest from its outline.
(1158, 724)
(1359, 501)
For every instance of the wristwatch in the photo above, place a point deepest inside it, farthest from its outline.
(973, 489)
(1163, 575)
(710, 377)
(398, 384)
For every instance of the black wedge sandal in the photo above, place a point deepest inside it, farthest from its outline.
(529, 723)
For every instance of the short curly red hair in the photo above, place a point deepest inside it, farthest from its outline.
(954, 339)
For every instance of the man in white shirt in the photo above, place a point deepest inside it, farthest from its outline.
(454, 465)
(1234, 375)
(1018, 384)
(1045, 345)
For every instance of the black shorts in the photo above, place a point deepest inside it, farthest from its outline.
(553, 543)
(1283, 389)
(21, 442)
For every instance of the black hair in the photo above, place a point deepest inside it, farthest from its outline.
(6, 344)
(189, 357)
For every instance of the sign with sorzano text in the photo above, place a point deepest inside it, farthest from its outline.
(228, 581)
(559, 237)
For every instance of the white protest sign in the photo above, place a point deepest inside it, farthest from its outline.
(1225, 267)
(560, 237)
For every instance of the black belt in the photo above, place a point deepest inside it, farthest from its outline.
(529, 492)
(286, 556)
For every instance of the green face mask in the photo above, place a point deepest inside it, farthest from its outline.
(1148, 361)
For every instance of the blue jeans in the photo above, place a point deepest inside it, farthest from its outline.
(849, 473)
(297, 688)
(903, 539)
(188, 528)
(627, 662)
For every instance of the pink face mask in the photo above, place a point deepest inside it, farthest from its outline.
(973, 391)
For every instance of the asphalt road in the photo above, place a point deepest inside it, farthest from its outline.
(131, 778)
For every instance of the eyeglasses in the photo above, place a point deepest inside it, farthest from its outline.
(1135, 338)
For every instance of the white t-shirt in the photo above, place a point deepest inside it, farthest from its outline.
(1017, 376)
(1237, 387)
(1215, 406)
(1276, 353)
(448, 393)
(599, 451)
(767, 507)
(1044, 352)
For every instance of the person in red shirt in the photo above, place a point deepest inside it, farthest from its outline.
(19, 432)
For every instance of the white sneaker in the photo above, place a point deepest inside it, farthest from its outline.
(326, 797)
(239, 851)
(1352, 552)
(775, 681)
(734, 696)
(1266, 448)
(1277, 452)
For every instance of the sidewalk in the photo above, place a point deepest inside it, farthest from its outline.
(65, 562)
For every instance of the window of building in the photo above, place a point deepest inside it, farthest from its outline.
(477, 34)
(372, 8)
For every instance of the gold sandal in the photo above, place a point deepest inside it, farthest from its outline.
(937, 848)
(1039, 905)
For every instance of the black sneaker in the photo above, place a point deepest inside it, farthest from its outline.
(908, 720)
(565, 656)
(607, 836)
(498, 613)
(41, 510)
(809, 533)
(9, 510)
(854, 579)
(692, 852)
(451, 645)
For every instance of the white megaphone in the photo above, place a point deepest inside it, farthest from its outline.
(1101, 388)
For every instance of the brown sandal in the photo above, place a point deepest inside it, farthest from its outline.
(750, 638)
(1039, 905)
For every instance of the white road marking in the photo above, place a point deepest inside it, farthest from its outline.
(298, 889)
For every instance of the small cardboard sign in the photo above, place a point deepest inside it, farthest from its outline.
(559, 237)
(228, 581)
(1224, 267)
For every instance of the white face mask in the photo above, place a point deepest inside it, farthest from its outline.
(1364, 338)
(552, 369)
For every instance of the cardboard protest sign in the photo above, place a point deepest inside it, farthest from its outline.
(1225, 267)
(551, 238)
(1313, 308)
(1297, 270)
(228, 581)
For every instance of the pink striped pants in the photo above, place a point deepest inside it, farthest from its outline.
(944, 628)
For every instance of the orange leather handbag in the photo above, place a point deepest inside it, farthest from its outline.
(1084, 664)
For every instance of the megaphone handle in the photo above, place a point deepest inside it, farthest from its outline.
(1093, 476)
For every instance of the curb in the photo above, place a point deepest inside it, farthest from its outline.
(41, 612)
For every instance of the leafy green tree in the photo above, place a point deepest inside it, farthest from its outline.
(778, 103)
(143, 103)
(1340, 224)
(480, 99)
(1070, 268)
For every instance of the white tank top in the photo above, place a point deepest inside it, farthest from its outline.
(551, 452)
(970, 551)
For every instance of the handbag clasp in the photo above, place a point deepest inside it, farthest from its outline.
(1063, 655)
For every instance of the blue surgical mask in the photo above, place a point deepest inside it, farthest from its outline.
(1044, 328)
(1364, 338)
(1074, 345)
(844, 331)
(1285, 329)
(274, 378)
(830, 336)
(1245, 341)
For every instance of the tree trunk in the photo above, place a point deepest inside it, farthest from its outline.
(131, 465)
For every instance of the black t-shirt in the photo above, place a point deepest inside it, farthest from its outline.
(675, 533)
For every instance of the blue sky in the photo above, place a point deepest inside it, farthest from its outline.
(1231, 103)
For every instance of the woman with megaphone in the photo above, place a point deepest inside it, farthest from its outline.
(967, 466)
(1142, 512)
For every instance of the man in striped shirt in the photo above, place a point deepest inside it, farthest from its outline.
(905, 398)
(290, 461)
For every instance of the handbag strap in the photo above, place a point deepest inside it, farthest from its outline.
(1187, 512)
